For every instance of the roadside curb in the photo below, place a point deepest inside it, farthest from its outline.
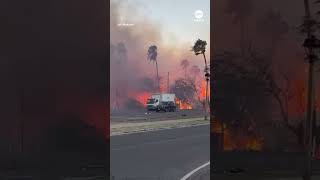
(140, 127)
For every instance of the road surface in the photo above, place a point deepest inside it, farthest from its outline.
(259, 166)
(166, 154)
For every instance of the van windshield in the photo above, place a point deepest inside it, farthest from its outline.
(150, 101)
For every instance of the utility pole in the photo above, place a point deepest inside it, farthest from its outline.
(116, 105)
(314, 137)
(168, 88)
(158, 78)
(314, 120)
(207, 76)
(309, 44)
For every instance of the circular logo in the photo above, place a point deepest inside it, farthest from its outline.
(198, 14)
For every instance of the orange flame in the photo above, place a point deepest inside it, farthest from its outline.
(202, 92)
(182, 105)
(241, 141)
(238, 141)
(141, 97)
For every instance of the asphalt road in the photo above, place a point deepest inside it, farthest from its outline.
(259, 165)
(165, 154)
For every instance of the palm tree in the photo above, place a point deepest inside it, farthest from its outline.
(185, 64)
(200, 48)
(152, 57)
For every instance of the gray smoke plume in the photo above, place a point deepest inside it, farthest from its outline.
(131, 73)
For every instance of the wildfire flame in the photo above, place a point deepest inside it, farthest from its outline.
(241, 142)
(202, 90)
(141, 97)
(182, 105)
(238, 141)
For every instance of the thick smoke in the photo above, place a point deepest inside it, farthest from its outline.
(270, 28)
(131, 73)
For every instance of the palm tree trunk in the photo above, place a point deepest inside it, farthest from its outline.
(168, 86)
(205, 59)
(314, 117)
(207, 100)
(207, 83)
(158, 79)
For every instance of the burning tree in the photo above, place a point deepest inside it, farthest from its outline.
(198, 86)
(184, 90)
(200, 48)
(247, 89)
(152, 57)
(185, 64)
(240, 100)
(199, 92)
(283, 96)
(286, 94)
(237, 91)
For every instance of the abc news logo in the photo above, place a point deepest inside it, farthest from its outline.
(198, 14)
(125, 23)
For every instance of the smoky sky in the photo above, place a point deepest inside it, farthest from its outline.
(287, 52)
(271, 28)
(131, 72)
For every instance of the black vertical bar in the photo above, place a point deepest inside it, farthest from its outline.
(107, 75)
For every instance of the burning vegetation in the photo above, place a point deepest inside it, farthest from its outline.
(234, 140)
(259, 78)
(190, 92)
(141, 63)
(181, 105)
